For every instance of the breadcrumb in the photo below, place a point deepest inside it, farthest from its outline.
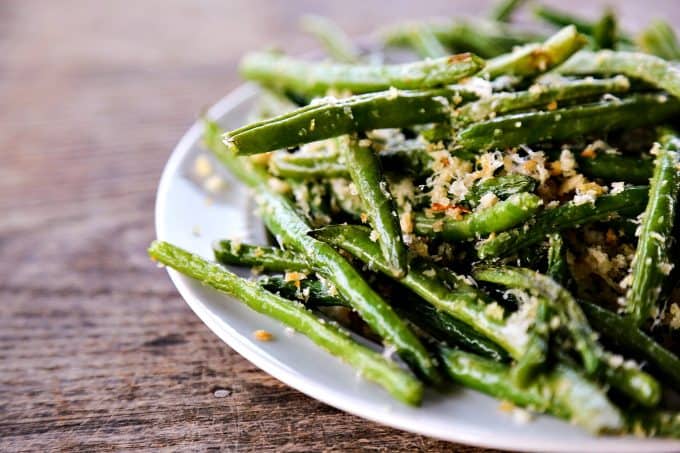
(214, 184)
(675, 316)
(263, 335)
(202, 167)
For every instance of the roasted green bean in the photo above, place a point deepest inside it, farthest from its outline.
(370, 364)
(622, 333)
(635, 383)
(569, 122)
(334, 117)
(533, 59)
(501, 216)
(562, 392)
(316, 79)
(335, 41)
(281, 218)
(652, 262)
(630, 201)
(232, 252)
(659, 39)
(538, 95)
(464, 302)
(364, 168)
(653, 70)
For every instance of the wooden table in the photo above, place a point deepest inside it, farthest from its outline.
(97, 349)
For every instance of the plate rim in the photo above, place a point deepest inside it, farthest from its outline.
(475, 437)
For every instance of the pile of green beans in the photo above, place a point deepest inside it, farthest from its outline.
(472, 210)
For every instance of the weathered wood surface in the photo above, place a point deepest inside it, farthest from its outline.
(97, 350)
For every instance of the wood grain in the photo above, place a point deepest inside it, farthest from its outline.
(97, 350)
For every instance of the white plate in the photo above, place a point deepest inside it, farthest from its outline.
(185, 217)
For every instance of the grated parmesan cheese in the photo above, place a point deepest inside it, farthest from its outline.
(278, 185)
(419, 247)
(587, 192)
(494, 311)
(674, 316)
(430, 273)
(567, 163)
(488, 199)
(406, 222)
(626, 282)
(214, 184)
(665, 268)
(202, 167)
(263, 335)
(617, 187)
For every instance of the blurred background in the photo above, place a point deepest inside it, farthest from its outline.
(96, 348)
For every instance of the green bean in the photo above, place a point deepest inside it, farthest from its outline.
(659, 39)
(317, 78)
(271, 103)
(425, 42)
(538, 95)
(544, 287)
(282, 220)
(305, 290)
(630, 201)
(625, 227)
(533, 59)
(370, 364)
(499, 217)
(438, 132)
(636, 384)
(654, 423)
(605, 31)
(562, 391)
(622, 333)
(446, 328)
(503, 9)
(334, 117)
(652, 262)
(337, 44)
(234, 253)
(536, 353)
(244, 169)
(319, 165)
(311, 291)
(653, 70)
(462, 302)
(364, 168)
(502, 186)
(483, 37)
(562, 19)
(436, 323)
(306, 158)
(558, 269)
(345, 199)
(314, 201)
(324, 162)
(567, 123)
(410, 157)
(614, 167)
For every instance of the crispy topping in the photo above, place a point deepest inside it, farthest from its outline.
(263, 335)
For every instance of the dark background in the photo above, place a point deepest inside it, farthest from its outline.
(97, 350)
